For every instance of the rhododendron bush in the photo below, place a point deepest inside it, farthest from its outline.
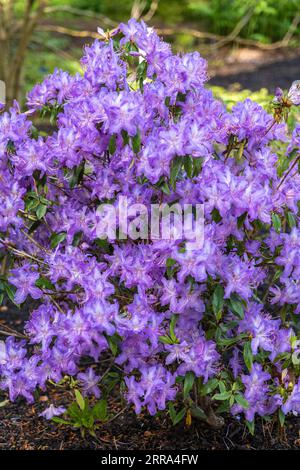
(196, 332)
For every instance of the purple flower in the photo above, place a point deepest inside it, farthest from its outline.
(24, 279)
(52, 411)
(256, 393)
(292, 404)
(89, 382)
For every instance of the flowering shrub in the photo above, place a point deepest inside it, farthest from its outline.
(198, 331)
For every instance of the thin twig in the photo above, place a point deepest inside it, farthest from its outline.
(15, 334)
(236, 30)
(152, 10)
(34, 241)
(117, 415)
(288, 172)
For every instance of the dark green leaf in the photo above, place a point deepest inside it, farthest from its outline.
(79, 399)
(218, 301)
(175, 169)
(198, 413)
(188, 383)
(136, 142)
(165, 340)
(10, 290)
(112, 144)
(179, 417)
(113, 342)
(209, 387)
(58, 420)
(281, 417)
(100, 410)
(291, 220)
(248, 357)
(276, 222)
(237, 306)
(242, 401)
(44, 283)
(173, 322)
(172, 412)
(57, 238)
(222, 396)
(188, 165)
(165, 188)
(251, 426)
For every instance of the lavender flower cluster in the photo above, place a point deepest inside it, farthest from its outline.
(139, 122)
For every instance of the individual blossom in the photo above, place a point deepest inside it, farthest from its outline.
(24, 279)
(52, 411)
(89, 382)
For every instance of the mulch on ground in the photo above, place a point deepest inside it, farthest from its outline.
(21, 428)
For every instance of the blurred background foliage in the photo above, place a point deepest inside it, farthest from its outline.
(269, 22)
(207, 25)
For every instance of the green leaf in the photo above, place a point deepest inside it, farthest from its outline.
(10, 291)
(173, 322)
(248, 357)
(112, 144)
(281, 417)
(88, 421)
(291, 220)
(179, 417)
(276, 222)
(32, 204)
(172, 412)
(57, 238)
(198, 162)
(44, 283)
(74, 411)
(77, 238)
(58, 420)
(251, 426)
(218, 301)
(79, 399)
(188, 165)
(175, 169)
(188, 383)
(222, 396)
(198, 412)
(237, 306)
(224, 407)
(170, 262)
(165, 188)
(100, 410)
(125, 137)
(77, 175)
(113, 342)
(141, 73)
(136, 142)
(165, 340)
(242, 401)
(110, 381)
(209, 387)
